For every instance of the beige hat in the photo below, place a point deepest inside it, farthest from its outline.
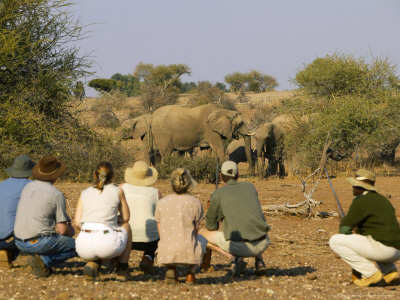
(229, 168)
(364, 179)
(141, 174)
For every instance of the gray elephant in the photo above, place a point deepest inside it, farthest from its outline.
(140, 127)
(180, 128)
(237, 153)
(269, 145)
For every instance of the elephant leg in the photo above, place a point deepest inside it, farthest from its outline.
(281, 168)
(260, 166)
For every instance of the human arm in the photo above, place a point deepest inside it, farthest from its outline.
(78, 214)
(214, 215)
(124, 213)
(65, 228)
(354, 217)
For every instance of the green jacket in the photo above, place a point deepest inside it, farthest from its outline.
(236, 204)
(372, 214)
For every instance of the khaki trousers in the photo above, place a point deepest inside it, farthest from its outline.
(362, 252)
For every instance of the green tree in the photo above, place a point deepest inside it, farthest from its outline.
(103, 85)
(236, 81)
(38, 62)
(159, 85)
(253, 81)
(188, 86)
(79, 90)
(127, 84)
(338, 75)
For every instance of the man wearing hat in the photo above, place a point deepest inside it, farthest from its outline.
(374, 246)
(10, 192)
(42, 226)
(245, 232)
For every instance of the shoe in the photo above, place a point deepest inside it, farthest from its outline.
(39, 269)
(238, 266)
(260, 267)
(123, 273)
(5, 259)
(355, 275)
(146, 265)
(388, 278)
(206, 260)
(190, 279)
(170, 276)
(91, 270)
(364, 282)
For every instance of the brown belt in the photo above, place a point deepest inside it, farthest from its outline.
(93, 231)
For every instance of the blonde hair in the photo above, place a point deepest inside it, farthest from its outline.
(182, 181)
(103, 174)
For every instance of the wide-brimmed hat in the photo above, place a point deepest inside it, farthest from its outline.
(364, 179)
(48, 168)
(141, 174)
(21, 168)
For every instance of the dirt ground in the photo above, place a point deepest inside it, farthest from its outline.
(300, 264)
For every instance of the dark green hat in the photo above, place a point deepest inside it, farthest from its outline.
(22, 167)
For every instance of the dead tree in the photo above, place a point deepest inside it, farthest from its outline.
(306, 207)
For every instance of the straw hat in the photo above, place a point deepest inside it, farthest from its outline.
(364, 179)
(48, 168)
(21, 168)
(141, 174)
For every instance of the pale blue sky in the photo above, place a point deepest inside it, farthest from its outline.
(218, 37)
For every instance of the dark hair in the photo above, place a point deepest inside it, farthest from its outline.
(227, 178)
(103, 174)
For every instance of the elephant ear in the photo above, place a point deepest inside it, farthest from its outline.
(140, 126)
(219, 122)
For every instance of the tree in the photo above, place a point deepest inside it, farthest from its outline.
(127, 84)
(159, 85)
(207, 93)
(103, 85)
(236, 81)
(339, 75)
(79, 90)
(253, 81)
(188, 86)
(38, 63)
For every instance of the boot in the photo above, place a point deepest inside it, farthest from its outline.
(146, 265)
(170, 276)
(6, 259)
(123, 274)
(91, 270)
(39, 269)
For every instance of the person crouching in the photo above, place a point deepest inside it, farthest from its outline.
(178, 217)
(104, 234)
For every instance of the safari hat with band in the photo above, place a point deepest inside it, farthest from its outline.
(141, 174)
(21, 168)
(48, 168)
(364, 179)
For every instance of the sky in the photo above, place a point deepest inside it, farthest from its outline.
(218, 37)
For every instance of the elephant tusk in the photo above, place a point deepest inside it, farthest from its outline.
(251, 134)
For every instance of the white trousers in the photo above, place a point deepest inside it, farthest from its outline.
(362, 252)
(102, 242)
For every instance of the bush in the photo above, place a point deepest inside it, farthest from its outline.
(108, 120)
(202, 168)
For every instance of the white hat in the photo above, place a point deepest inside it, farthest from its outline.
(229, 168)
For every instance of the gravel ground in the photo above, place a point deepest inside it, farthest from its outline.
(300, 264)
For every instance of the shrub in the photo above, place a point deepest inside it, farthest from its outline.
(202, 168)
(108, 120)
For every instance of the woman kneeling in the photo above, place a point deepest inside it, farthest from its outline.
(105, 234)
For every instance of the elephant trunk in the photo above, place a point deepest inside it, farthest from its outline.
(247, 147)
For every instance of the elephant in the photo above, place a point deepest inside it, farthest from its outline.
(140, 127)
(181, 128)
(269, 145)
(237, 153)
